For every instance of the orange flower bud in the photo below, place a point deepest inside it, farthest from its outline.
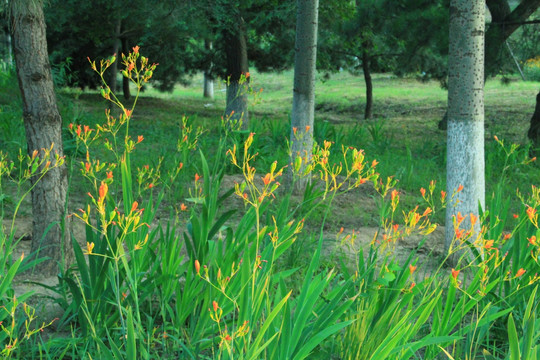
(103, 190)
(215, 305)
(455, 274)
(197, 266)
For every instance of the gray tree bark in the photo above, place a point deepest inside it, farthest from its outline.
(303, 108)
(237, 64)
(465, 137)
(208, 79)
(43, 126)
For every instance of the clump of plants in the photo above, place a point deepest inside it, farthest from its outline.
(211, 281)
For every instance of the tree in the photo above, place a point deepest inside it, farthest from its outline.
(43, 125)
(237, 68)
(303, 107)
(208, 79)
(365, 38)
(465, 137)
(504, 22)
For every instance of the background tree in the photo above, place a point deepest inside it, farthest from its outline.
(365, 39)
(42, 124)
(303, 107)
(465, 137)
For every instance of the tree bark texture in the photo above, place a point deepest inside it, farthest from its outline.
(465, 136)
(237, 64)
(43, 126)
(534, 129)
(303, 108)
(208, 80)
(504, 23)
(368, 113)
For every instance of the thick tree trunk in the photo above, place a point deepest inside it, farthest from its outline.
(116, 49)
(369, 84)
(43, 126)
(303, 109)
(465, 139)
(237, 65)
(504, 23)
(208, 79)
(125, 80)
(534, 129)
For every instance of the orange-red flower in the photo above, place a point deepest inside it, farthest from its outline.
(423, 192)
(532, 240)
(460, 187)
(473, 219)
(183, 207)
(215, 305)
(412, 268)
(520, 272)
(103, 190)
(455, 273)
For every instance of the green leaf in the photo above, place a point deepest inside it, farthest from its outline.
(131, 345)
(319, 338)
(513, 339)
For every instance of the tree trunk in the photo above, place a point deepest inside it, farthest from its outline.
(504, 23)
(369, 84)
(303, 109)
(237, 65)
(534, 129)
(208, 79)
(43, 126)
(465, 137)
(125, 80)
(116, 49)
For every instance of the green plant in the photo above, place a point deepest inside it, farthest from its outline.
(531, 69)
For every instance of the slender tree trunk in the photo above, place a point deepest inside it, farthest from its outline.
(534, 129)
(43, 125)
(465, 137)
(369, 84)
(125, 80)
(303, 109)
(116, 49)
(208, 79)
(237, 65)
